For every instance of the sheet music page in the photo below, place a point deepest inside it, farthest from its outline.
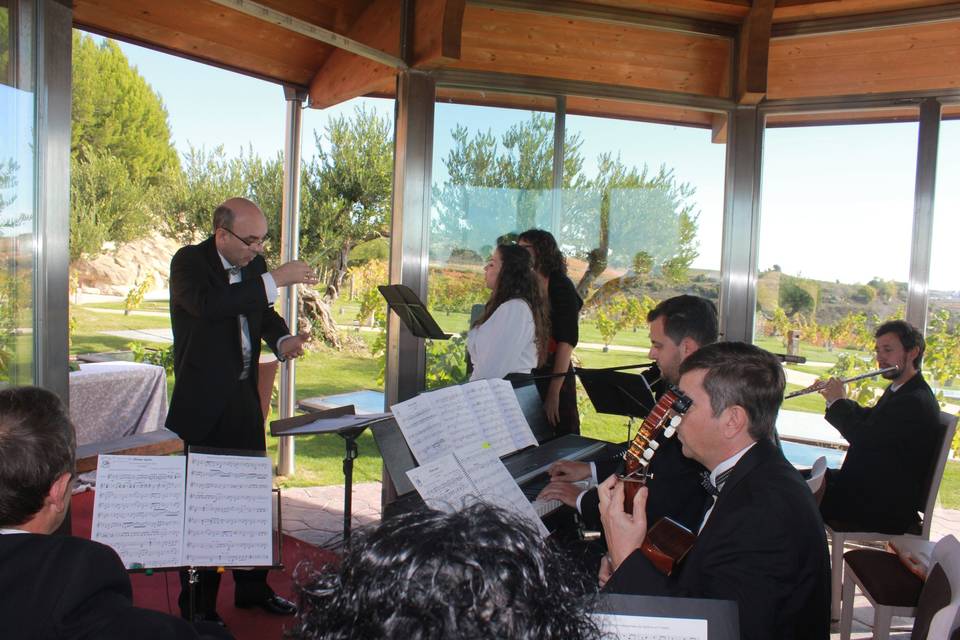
(513, 417)
(456, 480)
(437, 423)
(489, 417)
(229, 511)
(138, 509)
(623, 627)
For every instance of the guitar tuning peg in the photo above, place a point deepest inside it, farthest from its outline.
(654, 445)
(675, 421)
(669, 431)
(647, 454)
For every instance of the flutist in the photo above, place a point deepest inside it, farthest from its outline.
(893, 444)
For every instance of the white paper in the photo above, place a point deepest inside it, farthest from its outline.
(138, 508)
(422, 428)
(229, 512)
(461, 429)
(488, 417)
(456, 480)
(649, 628)
(513, 417)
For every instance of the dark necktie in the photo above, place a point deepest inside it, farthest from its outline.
(233, 271)
(709, 487)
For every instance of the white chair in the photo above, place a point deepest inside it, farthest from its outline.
(815, 481)
(894, 591)
(839, 538)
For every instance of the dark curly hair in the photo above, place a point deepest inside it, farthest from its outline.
(518, 280)
(478, 573)
(549, 259)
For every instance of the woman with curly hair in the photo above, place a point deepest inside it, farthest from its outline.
(559, 394)
(510, 336)
(427, 575)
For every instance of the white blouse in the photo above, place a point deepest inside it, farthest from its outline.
(505, 343)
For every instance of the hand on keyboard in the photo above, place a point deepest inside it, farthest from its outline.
(565, 492)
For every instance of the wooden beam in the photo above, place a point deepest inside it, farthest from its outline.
(754, 53)
(720, 128)
(304, 28)
(436, 40)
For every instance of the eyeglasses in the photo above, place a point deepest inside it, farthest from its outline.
(261, 242)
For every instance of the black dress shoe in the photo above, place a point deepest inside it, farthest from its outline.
(208, 617)
(271, 604)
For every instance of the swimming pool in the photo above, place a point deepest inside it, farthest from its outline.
(803, 455)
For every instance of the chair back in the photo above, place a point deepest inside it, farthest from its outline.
(939, 605)
(948, 424)
(815, 481)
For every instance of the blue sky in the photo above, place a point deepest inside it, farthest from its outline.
(841, 194)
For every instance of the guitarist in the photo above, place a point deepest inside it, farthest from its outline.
(678, 327)
(761, 540)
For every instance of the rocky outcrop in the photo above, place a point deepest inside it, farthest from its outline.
(119, 268)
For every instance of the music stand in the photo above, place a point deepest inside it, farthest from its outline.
(616, 392)
(344, 422)
(412, 312)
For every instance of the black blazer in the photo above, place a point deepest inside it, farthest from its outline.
(208, 359)
(893, 448)
(764, 547)
(675, 490)
(61, 587)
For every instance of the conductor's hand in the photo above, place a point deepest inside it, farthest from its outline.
(292, 347)
(624, 532)
(833, 389)
(569, 471)
(565, 492)
(294, 272)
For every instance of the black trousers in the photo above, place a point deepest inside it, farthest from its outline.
(240, 427)
(569, 413)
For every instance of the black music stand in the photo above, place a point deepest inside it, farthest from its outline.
(616, 392)
(412, 312)
(344, 422)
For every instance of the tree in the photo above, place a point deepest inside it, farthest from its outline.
(120, 148)
(347, 191)
(190, 196)
(642, 264)
(794, 298)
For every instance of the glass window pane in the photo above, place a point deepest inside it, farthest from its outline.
(834, 254)
(942, 361)
(17, 186)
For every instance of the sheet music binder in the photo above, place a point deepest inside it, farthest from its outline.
(722, 616)
(412, 312)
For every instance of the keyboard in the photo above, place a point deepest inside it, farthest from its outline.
(546, 507)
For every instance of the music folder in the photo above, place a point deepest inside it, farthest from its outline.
(634, 616)
(412, 312)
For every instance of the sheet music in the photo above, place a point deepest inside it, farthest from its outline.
(138, 508)
(513, 417)
(623, 627)
(455, 480)
(484, 406)
(437, 423)
(229, 511)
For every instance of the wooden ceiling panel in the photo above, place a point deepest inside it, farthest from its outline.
(914, 58)
(212, 33)
(793, 10)
(495, 99)
(623, 110)
(555, 47)
(719, 10)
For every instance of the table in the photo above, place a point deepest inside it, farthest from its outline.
(111, 400)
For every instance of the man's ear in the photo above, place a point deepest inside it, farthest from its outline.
(59, 495)
(735, 421)
(687, 346)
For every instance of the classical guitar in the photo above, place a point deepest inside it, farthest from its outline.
(667, 541)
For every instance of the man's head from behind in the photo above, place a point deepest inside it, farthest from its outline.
(737, 390)
(678, 327)
(37, 448)
(477, 573)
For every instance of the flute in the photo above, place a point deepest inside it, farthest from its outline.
(820, 384)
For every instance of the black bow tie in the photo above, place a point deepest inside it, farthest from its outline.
(709, 487)
(234, 271)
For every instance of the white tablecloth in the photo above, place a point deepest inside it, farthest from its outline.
(109, 400)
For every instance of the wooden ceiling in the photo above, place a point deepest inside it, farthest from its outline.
(656, 60)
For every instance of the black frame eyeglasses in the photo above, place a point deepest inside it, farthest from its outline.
(260, 242)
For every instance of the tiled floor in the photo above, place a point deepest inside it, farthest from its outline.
(315, 515)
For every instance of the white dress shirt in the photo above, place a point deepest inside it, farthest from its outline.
(505, 343)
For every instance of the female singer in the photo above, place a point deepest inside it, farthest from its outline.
(511, 334)
(559, 394)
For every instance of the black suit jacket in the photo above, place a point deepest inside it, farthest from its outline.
(675, 490)
(764, 547)
(893, 448)
(208, 359)
(61, 587)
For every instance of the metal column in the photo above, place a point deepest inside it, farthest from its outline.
(559, 135)
(741, 224)
(289, 250)
(923, 202)
(409, 232)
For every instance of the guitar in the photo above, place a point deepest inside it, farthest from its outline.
(667, 541)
